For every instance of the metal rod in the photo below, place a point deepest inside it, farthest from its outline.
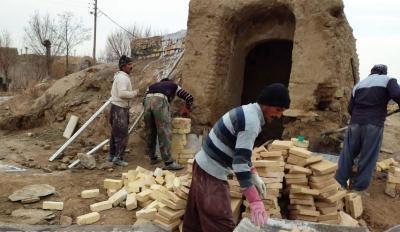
(87, 123)
(76, 162)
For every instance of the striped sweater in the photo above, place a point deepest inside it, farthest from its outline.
(230, 142)
(369, 99)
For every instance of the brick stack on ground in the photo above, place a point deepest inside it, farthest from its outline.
(180, 129)
(159, 196)
(392, 187)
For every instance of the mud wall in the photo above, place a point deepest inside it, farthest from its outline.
(324, 60)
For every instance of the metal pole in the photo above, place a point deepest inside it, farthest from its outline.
(76, 162)
(94, 36)
(69, 141)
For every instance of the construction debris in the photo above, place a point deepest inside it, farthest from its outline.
(393, 181)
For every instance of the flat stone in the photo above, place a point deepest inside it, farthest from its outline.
(32, 216)
(32, 191)
(88, 161)
(30, 200)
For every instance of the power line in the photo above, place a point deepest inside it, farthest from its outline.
(112, 20)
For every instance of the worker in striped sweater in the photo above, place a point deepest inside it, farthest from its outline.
(228, 147)
(157, 118)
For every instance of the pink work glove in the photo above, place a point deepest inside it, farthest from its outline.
(258, 214)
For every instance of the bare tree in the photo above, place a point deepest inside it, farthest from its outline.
(72, 33)
(42, 28)
(119, 42)
(8, 57)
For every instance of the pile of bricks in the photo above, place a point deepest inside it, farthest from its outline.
(313, 192)
(161, 195)
(180, 130)
(393, 181)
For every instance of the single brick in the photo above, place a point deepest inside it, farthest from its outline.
(90, 193)
(100, 206)
(88, 218)
(54, 205)
(112, 184)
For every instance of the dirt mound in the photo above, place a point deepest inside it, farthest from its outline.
(80, 93)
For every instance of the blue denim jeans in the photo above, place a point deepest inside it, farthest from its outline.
(362, 142)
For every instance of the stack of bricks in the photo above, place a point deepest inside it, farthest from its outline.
(270, 167)
(236, 198)
(180, 130)
(313, 192)
(393, 181)
(329, 201)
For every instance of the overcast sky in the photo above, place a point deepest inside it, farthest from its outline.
(376, 24)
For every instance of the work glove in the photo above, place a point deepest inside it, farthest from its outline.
(258, 183)
(258, 214)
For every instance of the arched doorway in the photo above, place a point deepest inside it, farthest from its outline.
(268, 62)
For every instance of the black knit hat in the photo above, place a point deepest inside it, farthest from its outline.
(379, 69)
(124, 60)
(274, 95)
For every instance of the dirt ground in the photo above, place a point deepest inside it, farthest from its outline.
(32, 153)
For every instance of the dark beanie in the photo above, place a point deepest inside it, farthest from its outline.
(379, 69)
(123, 60)
(274, 95)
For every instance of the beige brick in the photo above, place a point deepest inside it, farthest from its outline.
(158, 172)
(134, 187)
(111, 192)
(53, 205)
(279, 144)
(118, 197)
(146, 214)
(304, 153)
(90, 193)
(112, 184)
(181, 123)
(89, 218)
(131, 202)
(393, 179)
(144, 195)
(390, 189)
(323, 167)
(168, 227)
(267, 163)
(100, 206)
(293, 169)
(302, 190)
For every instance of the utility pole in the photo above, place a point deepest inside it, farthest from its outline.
(94, 36)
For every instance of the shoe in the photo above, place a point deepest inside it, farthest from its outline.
(155, 161)
(174, 166)
(110, 158)
(119, 162)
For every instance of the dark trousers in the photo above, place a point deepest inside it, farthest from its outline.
(119, 120)
(209, 204)
(364, 142)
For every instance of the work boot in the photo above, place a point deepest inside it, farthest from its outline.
(119, 162)
(174, 166)
(155, 161)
